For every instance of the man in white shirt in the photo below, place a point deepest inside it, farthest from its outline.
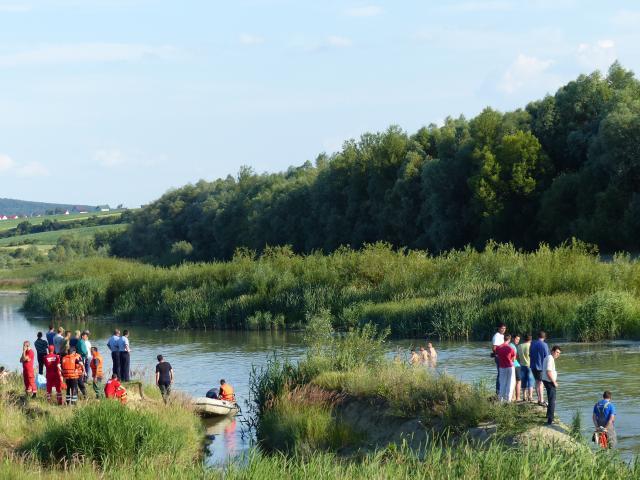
(496, 341)
(550, 381)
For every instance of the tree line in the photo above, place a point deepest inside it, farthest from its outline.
(565, 166)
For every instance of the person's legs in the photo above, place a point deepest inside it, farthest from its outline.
(115, 360)
(612, 437)
(497, 377)
(551, 399)
(97, 387)
(511, 383)
(516, 371)
(41, 363)
(124, 366)
(82, 388)
(49, 387)
(503, 379)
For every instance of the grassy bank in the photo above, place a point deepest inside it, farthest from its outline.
(567, 291)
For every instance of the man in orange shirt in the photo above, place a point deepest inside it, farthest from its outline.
(96, 371)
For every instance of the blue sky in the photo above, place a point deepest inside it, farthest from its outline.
(116, 101)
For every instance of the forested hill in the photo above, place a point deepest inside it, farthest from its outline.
(565, 166)
(10, 206)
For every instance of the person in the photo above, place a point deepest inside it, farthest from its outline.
(113, 389)
(496, 341)
(604, 415)
(433, 355)
(164, 377)
(54, 374)
(42, 348)
(58, 341)
(226, 392)
(87, 361)
(505, 356)
(424, 356)
(538, 351)
(75, 339)
(415, 358)
(82, 350)
(51, 335)
(525, 370)
(124, 351)
(550, 381)
(4, 375)
(28, 375)
(516, 366)
(96, 364)
(112, 345)
(66, 347)
(72, 371)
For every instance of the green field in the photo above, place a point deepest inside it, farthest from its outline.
(8, 224)
(51, 238)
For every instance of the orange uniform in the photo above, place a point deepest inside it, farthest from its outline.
(226, 393)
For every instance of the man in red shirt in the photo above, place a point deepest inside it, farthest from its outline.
(506, 355)
(113, 389)
(27, 360)
(54, 374)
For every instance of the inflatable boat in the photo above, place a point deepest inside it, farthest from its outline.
(208, 407)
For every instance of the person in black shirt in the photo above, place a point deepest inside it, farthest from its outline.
(164, 377)
(42, 348)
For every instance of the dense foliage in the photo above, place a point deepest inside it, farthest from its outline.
(10, 206)
(567, 290)
(26, 227)
(565, 166)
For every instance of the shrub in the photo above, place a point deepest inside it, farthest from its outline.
(606, 315)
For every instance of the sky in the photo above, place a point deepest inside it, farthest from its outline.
(117, 101)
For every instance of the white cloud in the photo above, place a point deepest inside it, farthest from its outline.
(32, 169)
(364, 11)
(250, 39)
(338, 42)
(598, 55)
(15, 7)
(53, 54)
(524, 70)
(6, 162)
(109, 158)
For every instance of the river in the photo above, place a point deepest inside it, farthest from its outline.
(201, 358)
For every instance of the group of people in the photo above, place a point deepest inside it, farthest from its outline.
(424, 356)
(523, 365)
(120, 350)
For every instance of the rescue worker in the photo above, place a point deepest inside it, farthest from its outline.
(113, 389)
(96, 371)
(27, 359)
(54, 374)
(604, 415)
(72, 371)
(226, 392)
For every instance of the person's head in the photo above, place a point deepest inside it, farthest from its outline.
(1, 369)
(507, 337)
(67, 334)
(125, 333)
(502, 328)
(542, 335)
(85, 335)
(222, 382)
(60, 330)
(52, 349)
(555, 351)
(160, 358)
(77, 333)
(114, 376)
(516, 339)
(94, 349)
(606, 395)
(527, 337)
(116, 332)
(429, 345)
(26, 344)
(39, 335)
(72, 349)
(421, 349)
(51, 328)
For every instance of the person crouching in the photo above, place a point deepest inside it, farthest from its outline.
(113, 389)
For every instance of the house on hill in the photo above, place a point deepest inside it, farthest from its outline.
(103, 208)
(3, 217)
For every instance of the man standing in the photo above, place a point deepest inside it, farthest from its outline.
(42, 348)
(164, 377)
(72, 370)
(604, 415)
(516, 366)
(83, 350)
(123, 348)
(537, 353)
(496, 341)
(50, 335)
(525, 368)
(27, 359)
(506, 355)
(87, 342)
(54, 374)
(112, 345)
(97, 371)
(550, 380)
(58, 340)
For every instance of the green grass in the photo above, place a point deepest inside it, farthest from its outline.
(9, 224)
(51, 238)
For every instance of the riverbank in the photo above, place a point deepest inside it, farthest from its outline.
(567, 291)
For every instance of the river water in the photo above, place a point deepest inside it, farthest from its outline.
(200, 359)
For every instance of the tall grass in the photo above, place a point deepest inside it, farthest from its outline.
(566, 290)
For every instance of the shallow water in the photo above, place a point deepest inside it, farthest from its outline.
(201, 358)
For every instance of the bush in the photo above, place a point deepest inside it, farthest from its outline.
(607, 315)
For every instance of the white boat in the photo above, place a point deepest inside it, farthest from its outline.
(208, 407)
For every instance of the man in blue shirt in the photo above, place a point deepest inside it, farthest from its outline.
(604, 415)
(113, 346)
(50, 335)
(123, 347)
(538, 352)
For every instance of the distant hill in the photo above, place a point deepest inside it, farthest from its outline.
(9, 206)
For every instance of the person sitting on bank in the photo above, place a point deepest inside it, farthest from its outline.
(604, 415)
(113, 389)
(225, 392)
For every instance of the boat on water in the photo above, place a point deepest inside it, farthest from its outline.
(209, 407)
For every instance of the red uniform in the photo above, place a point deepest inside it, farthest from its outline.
(113, 389)
(27, 372)
(54, 378)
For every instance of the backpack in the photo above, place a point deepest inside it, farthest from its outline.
(601, 414)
